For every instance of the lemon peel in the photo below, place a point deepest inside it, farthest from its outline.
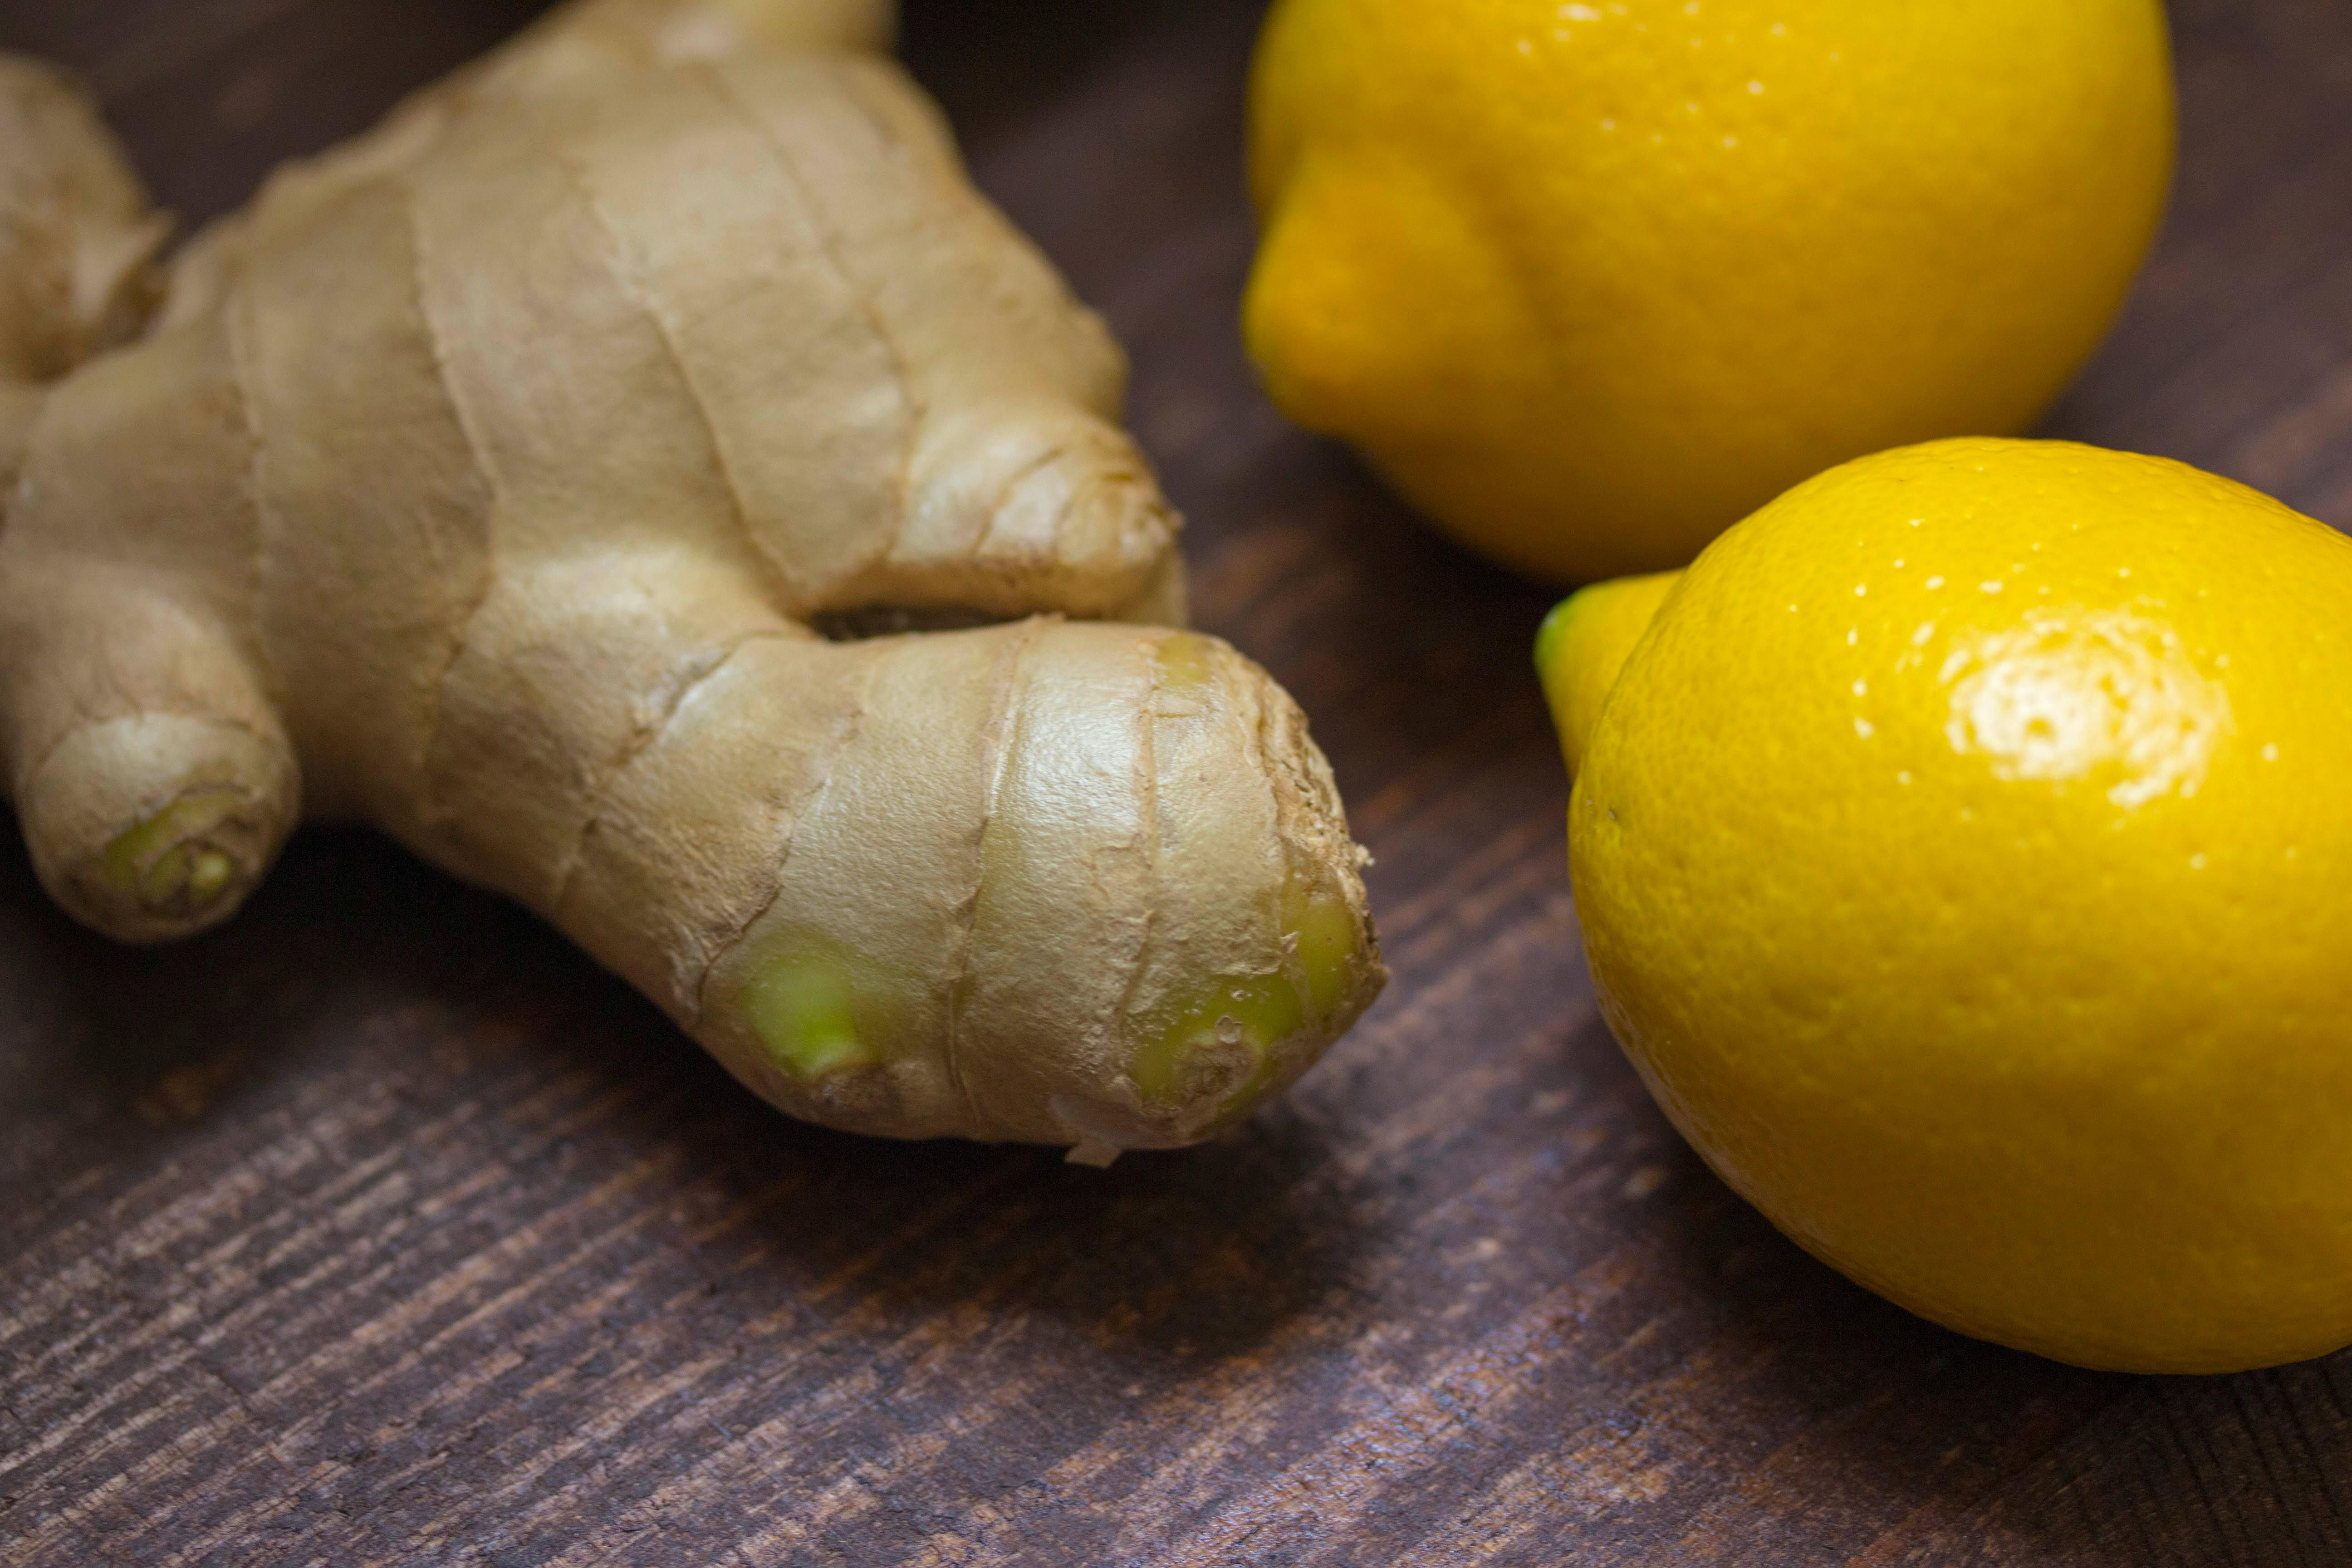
(1590, 284)
(1962, 858)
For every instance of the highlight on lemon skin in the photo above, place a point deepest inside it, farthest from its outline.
(1589, 284)
(1961, 860)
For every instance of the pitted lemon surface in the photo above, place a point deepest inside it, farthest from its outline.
(1965, 859)
(1591, 282)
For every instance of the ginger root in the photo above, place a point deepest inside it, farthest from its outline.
(494, 478)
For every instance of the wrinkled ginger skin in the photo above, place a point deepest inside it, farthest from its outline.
(488, 479)
(78, 243)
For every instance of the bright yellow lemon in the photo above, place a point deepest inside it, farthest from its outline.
(1591, 282)
(1964, 853)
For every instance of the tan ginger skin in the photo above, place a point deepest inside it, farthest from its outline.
(487, 480)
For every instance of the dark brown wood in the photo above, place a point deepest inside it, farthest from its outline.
(381, 1228)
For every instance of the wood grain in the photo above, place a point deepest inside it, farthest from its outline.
(381, 1228)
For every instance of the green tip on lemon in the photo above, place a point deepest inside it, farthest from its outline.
(1584, 644)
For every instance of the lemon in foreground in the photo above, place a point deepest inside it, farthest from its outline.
(1964, 852)
(1591, 282)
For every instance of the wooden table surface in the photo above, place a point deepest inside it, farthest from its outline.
(383, 1228)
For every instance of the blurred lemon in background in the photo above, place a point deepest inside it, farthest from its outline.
(1590, 282)
(1964, 854)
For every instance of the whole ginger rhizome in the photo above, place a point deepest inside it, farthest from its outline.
(492, 479)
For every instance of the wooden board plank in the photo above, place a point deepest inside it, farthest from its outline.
(381, 1228)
